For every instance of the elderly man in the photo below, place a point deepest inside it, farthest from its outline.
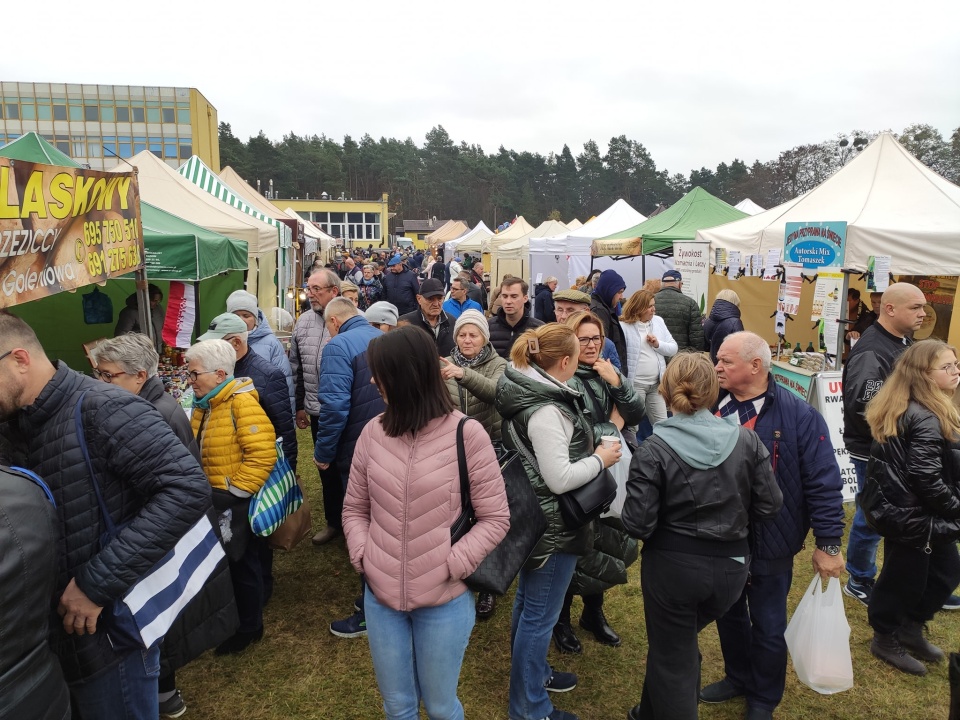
(543, 302)
(871, 360)
(431, 316)
(681, 314)
(154, 487)
(310, 336)
(350, 401)
(400, 285)
(751, 633)
(568, 302)
(513, 318)
(458, 300)
(475, 292)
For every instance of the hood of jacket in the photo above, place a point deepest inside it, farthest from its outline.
(233, 387)
(609, 284)
(724, 310)
(262, 329)
(702, 440)
(529, 387)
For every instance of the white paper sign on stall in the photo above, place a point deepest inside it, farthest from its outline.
(827, 397)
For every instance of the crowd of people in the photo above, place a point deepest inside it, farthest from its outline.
(394, 358)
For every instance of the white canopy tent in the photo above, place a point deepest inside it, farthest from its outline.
(470, 241)
(568, 255)
(514, 257)
(893, 205)
(749, 207)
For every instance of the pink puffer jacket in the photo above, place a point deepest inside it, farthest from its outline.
(402, 498)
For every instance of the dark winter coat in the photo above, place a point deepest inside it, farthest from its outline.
(265, 343)
(153, 392)
(798, 440)
(683, 319)
(401, 289)
(475, 393)
(503, 334)
(912, 493)
(724, 320)
(605, 566)
(600, 398)
(442, 335)
(271, 387)
(601, 305)
(867, 366)
(370, 293)
(543, 305)
(150, 483)
(31, 682)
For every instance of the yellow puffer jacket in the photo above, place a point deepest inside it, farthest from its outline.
(237, 442)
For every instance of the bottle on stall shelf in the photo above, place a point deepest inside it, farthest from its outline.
(810, 347)
(797, 348)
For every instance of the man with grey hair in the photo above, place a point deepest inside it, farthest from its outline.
(350, 401)
(154, 487)
(797, 438)
(310, 337)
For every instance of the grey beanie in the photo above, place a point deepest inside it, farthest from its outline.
(242, 300)
(472, 317)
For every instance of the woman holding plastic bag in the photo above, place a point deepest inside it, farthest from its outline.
(912, 498)
(695, 486)
(610, 401)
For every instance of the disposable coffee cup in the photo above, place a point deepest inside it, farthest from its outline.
(609, 441)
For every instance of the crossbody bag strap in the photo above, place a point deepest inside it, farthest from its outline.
(81, 438)
(30, 475)
(524, 451)
(465, 502)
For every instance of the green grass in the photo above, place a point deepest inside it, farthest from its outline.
(300, 670)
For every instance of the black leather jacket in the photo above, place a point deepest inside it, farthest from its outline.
(674, 506)
(912, 493)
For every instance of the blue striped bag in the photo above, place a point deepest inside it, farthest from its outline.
(279, 497)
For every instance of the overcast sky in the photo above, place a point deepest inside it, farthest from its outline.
(697, 82)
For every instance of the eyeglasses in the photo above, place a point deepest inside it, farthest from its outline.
(595, 340)
(107, 377)
(314, 289)
(953, 367)
(5, 354)
(195, 374)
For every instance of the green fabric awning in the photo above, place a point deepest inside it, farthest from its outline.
(33, 148)
(696, 210)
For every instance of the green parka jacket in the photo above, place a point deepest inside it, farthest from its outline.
(600, 397)
(475, 394)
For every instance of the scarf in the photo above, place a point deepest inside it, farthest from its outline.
(461, 361)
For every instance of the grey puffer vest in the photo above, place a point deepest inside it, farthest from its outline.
(310, 336)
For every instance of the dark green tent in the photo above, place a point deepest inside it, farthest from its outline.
(696, 210)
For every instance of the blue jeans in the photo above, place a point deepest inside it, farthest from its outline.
(417, 654)
(863, 541)
(751, 638)
(127, 691)
(535, 611)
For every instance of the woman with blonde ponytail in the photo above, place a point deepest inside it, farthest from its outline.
(695, 486)
(912, 498)
(543, 420)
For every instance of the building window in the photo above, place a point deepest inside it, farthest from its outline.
(63, 146)
(91, 113)
(12, 111)
(169, 115)
(110, 146)
(336, 217)
(170, 150)
(93, 147)
(372, 218)
(79, 149)
(139, 144)
(59, 112)
(44, 113)
(156, 146)
(76, 113)
(355, 217)
(106, 113)
(153, 115)
(138, 115)
(124, 146)
(186, 151)
(28, 112)
(183, 117)
(123, 114)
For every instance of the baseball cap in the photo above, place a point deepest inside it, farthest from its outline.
(395, 260)
(223, 325)
(671, 276)
(382, 313)
(430, 288)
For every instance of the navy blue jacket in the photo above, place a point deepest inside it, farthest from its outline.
(543, 305)
(724, 320)
(401, 289)
(271, 385)
(806, 469)
(348, 400)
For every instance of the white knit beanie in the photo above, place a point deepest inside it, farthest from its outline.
(473, 317)
(242, 300)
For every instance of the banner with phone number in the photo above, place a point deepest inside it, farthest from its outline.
(62, 228)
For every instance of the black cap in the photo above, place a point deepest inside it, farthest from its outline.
(431, 288)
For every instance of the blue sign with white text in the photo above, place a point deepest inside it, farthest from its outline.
(815, 244)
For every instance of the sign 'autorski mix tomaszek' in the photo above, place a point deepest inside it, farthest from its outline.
(64, 228)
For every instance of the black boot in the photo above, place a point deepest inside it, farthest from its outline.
(596, 622)
(888, 648)
(486, 604)
(565, 639)
(912, 640)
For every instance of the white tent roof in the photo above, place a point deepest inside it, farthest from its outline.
(574, 224)
(518, 229)
(164, 187)
(521, 246)
(615, 218)
(749, 207)
(893, 205)
(470, 241)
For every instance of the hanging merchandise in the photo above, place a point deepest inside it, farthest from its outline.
(826, 295)
(770, 270)
(181, 315)
(878, 268)
(735, 263)
(719, 261)
(794, 284)
(97, 308)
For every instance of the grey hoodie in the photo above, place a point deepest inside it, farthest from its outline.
(702, 440)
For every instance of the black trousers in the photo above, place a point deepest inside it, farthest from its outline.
(682, 594)
(912, 584)
(332, 485)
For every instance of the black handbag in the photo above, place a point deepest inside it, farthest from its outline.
(579, 506)
(498, 570)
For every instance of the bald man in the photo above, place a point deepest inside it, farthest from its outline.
(869, 363)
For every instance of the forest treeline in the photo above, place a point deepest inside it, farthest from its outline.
(446, 179)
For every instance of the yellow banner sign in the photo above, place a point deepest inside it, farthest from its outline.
(601, 248)
(63, 228)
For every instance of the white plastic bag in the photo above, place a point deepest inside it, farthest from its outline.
(620, 472)
(818, 638)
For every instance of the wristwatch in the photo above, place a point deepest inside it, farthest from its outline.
(832, 550)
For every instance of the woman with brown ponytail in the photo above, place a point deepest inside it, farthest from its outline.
(543, 419)
(695, 486)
